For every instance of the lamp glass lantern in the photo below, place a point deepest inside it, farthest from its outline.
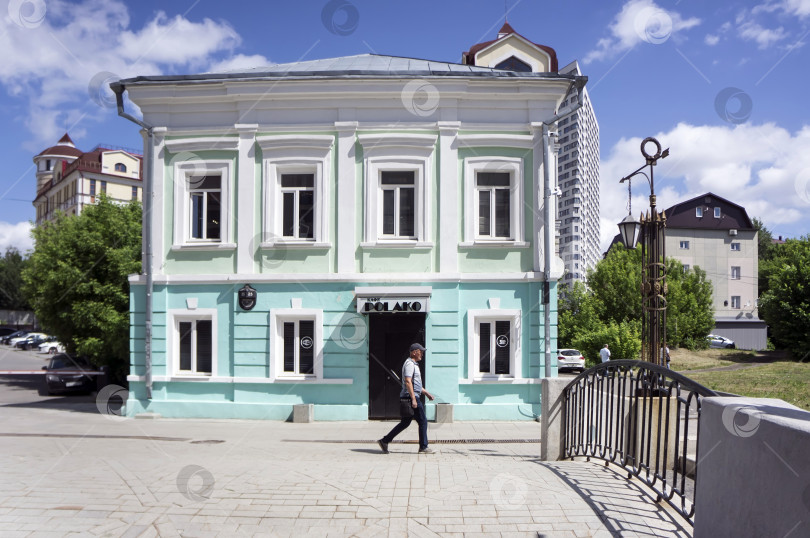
(629, 228)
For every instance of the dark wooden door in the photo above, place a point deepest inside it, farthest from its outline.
(390, 337)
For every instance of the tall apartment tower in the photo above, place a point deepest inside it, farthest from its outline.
(578, 181)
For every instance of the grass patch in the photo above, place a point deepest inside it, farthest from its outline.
(684, 360)
(786, 380)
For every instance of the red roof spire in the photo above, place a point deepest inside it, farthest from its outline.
(66, 141)
(506, 29)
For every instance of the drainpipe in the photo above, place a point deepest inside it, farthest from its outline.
(548, 228)
(147, 227)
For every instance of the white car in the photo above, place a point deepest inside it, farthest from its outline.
(51, 348)
(718, 341)
(570, 359)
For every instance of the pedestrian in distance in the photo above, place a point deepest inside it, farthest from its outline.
(605, 353)
(410, 404)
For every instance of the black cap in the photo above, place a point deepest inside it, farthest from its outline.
(420, 347)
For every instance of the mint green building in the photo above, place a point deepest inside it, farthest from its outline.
(310, 221)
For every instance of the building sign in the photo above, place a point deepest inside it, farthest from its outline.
(247, 297)
(392, 299)
(382, 305)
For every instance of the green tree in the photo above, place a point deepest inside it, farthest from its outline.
(690, 312)
(76, 280)
(623, 340)
(767, 251)
(615, 298)
(785, 307)
(11, 283)
(576, 314)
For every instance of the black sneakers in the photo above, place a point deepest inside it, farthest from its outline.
(383, 446)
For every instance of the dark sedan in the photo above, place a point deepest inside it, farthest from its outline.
(68, 373)
(7, 338)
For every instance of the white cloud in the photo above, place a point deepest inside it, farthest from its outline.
(239, 62)
(639, 20)
(711, 40)
(764, 168)
(53, 62)
(16, 235)
(764, 37)
(800, 8)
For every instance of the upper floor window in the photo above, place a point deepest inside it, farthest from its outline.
(735, 272)
(717, 212)
(120, 167)
(297, 198)
(298, 206)
(699, 212)
(494, 204)
(92, 190)
(48, 165)
(201, 202)
(205, 206)
(686, 268)
(735, 246)
(104, 186)
(684, 245)
(735, 301)
(398, 204)
(134, 193)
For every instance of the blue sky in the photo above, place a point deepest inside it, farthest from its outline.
(723, 86)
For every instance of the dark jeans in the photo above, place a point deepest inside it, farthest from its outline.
(421, 420)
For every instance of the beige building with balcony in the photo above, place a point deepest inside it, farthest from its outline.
(68, 178)
(717, 235)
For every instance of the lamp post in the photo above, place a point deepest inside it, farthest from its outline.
(653, 261)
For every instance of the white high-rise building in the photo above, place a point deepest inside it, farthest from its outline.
(578, 181)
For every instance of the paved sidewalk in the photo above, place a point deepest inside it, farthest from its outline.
(84, 473)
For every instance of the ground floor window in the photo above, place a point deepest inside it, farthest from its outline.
(296, 343)
(194, 343)
(494, 343)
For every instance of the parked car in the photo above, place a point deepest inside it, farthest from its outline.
(31, 341)
(716, 340)
(68, 373)
(13, 341)
(570, 359)
(51, 346)
(16, 334)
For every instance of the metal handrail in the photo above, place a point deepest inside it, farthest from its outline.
(637, 415)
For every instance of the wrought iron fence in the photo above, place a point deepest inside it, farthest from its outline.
(642, 417)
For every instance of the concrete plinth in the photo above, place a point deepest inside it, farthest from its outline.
(444, 413)
(303, 413)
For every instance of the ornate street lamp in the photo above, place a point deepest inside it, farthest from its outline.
(653, 262)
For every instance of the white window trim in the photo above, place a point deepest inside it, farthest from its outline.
(681, 245)
(717, 213)
(277, 318)
(493, 314)
(739, 272)
(397, 152)
(286, 154)
(739, 246)
(514, 166)
(182, 202)
(739, 302)
(173, 339)
(699, 212)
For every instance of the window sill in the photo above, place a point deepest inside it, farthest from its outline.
(296, 244)
(498, 381)
(204, 246)
(404, 243)
(496, 244)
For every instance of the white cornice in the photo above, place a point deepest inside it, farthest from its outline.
(381, 278)
(396, 140)
(496, 140)
(297, 141)
(202, 144)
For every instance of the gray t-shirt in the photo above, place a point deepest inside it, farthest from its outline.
(411, 369)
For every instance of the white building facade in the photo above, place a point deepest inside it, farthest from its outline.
(578, 177)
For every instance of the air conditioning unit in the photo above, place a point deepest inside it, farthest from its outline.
(732, 232)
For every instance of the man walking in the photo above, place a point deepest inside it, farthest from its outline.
(605, 353)
(411, 406)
